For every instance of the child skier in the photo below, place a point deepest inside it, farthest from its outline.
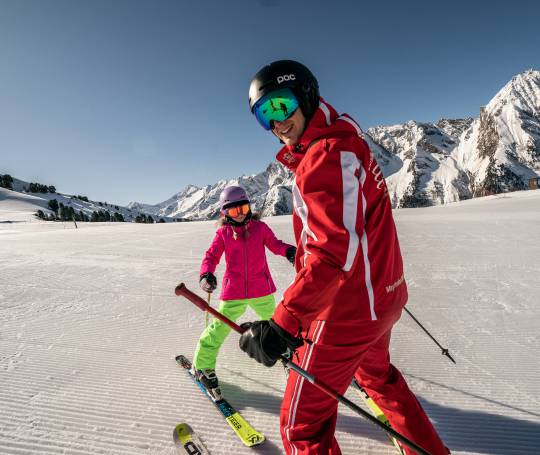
(247, 281)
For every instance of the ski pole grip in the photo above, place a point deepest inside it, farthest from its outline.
(182, 290)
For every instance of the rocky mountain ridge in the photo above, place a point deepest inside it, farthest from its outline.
(424, 163)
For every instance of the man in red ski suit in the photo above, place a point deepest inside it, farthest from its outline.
(349, 290)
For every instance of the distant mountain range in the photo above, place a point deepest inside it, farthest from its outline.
(424, 163)
(269, 191)
(460, 159)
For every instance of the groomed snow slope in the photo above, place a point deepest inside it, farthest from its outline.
(89, 327)
(18, 207)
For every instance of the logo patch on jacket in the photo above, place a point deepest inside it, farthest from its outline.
(289, 157)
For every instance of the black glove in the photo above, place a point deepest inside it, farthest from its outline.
(265, 341)
(290, 254)
(208, 282)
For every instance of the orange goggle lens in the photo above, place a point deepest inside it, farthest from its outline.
(237, 210)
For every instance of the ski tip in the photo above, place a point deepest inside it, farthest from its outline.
(253, 440)
(188, 440)
(183, 361)
(181, 431)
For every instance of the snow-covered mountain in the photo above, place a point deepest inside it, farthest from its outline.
(424, 163)
(19, 200)
(501, 149)
(270, 192)
(428, 173)
(452, 160)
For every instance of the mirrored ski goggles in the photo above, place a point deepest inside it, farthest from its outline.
(237, 210)
(277, 106)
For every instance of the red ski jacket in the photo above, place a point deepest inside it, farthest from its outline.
(348, 263)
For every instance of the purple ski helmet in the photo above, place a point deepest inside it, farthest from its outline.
(231, 196)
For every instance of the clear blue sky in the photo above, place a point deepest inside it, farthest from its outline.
(133, 100)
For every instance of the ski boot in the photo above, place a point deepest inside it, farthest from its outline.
(209, 380)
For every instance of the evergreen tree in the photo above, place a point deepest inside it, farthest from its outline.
(39, 188)
(53, 205)
(6, 181)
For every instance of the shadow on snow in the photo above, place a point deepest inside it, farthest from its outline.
(461, 430)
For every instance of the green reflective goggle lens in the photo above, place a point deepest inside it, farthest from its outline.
(275, 106)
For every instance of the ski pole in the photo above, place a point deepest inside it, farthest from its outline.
(206, 312)
(444, 351)
(182, 290)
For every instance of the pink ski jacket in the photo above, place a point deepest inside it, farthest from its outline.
(247, 274)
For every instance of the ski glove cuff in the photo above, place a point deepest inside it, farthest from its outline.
(265, 341)
(208, 282)
(290, 254)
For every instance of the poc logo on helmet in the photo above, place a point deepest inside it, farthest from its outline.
(286, 77)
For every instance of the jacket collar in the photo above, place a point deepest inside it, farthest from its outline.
(324, 123)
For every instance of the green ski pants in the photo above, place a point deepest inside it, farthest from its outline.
(215, 334)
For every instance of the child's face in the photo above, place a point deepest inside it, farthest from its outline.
(238, 213)
(239, 218)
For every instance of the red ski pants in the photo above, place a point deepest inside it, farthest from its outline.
(337, 352)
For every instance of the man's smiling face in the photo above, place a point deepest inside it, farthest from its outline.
(290, 130)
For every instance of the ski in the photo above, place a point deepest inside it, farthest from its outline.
(377, 412)
(247, 434)
(187, 441)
